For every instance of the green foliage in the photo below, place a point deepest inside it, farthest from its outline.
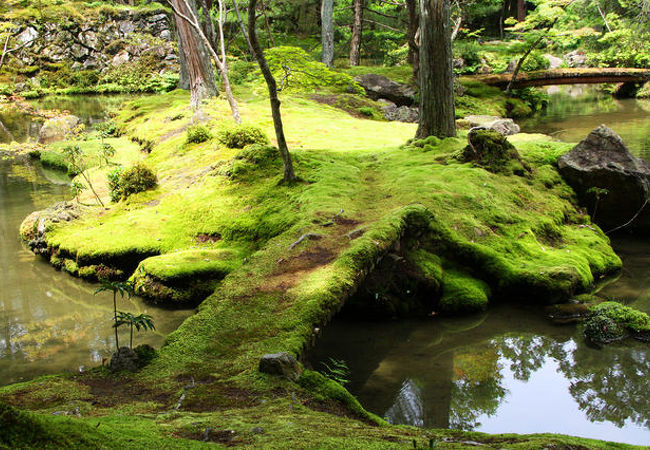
(337, 370)
(397, 56)
(197, 134)
(240, 136)
(461, 293)
(295, 70)
(367, 111)
(535, 61)
(124, 183)
(142, 322)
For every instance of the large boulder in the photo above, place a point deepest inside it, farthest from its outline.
(58, 128)
(378, 86)
(507, 127)
(611, 182)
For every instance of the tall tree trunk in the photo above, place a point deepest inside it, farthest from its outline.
(200, 72)
(289, 174)
(414, 23)
(207, 24)
(327, 31)
(521, 10)
(437, 114)
(357, 28)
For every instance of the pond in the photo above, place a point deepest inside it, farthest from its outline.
(51, 322)
(511, 370)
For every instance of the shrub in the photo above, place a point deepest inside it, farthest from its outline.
(124, 183)
(197, 134)
(367, 111)
(240, 136)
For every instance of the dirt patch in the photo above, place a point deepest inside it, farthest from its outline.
(211, 238)
(107, 392)
(353, 105)
(216, 396)
(229, 438)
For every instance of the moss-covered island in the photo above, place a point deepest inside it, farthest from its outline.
(417, 222)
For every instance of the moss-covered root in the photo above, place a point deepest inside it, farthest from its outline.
(610, 322)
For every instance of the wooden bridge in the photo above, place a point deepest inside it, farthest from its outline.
(567, 76)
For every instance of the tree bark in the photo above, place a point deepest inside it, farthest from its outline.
(200, 73)
(521, 10)
(437, 113)
(289, 174)
(327, 32)
(357, 28)
(414, 23)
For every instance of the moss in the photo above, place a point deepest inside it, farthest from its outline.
(491, 150)
(611, 321)
(462, 293)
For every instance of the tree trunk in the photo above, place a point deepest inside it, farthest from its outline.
(117, 339)
(289, 174)
(437, 114)
(200, 72)
(327, 31)
(414, 23)
(207, 24)
(357, 28)
(521, 10)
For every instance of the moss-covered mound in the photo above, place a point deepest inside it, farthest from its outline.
(492, 151)
(183, 277)
(610, 322)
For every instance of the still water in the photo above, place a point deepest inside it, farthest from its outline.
(51, 322)
(510, 370)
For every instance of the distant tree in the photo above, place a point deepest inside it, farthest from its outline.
(327, 32)
(437, 113)
(357, 30)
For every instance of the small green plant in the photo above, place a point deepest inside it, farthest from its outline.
(77, 188)
(141, 321)
(197, 134)
(121, 287)
(240, 136)
(106, 153)
(367, 111)
(124, 183)
(74, 157)
(337, 370)
(597, 193)
(432, 444)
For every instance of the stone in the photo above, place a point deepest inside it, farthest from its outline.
(126, 27)
(396, 113)
(576, 58)
(166, 35)
(58, 128)
(378, 86)
(507, 127)
(554, 61)
(120, 58)
(27, 35)
(124, 359)
(603, 161)
(511, 66)
(282, 364)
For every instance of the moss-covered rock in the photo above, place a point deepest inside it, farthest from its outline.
(462, 293)
(492, 151)
(610, 322)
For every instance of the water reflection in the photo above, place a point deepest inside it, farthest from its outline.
(49, 321)
(574, 111)
(471, 374)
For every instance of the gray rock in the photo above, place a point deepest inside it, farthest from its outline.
(554, 61)
(506, 127)
(126, 27)
(576, 58)
(396, 113)
(166, 35)
(27, 35)
(124, 359)
(58, 128)
(378, 86)
(603, 161)
(120, 58)
(282, 364)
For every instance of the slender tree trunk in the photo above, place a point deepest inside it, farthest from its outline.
(242, 27)
(207, 24)
(268, 24)
(357, 29)
(414, 23)
(200, 72)
(289, 174)
(437, 114)
(131, 340)
(117, 339)
(327, 31)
